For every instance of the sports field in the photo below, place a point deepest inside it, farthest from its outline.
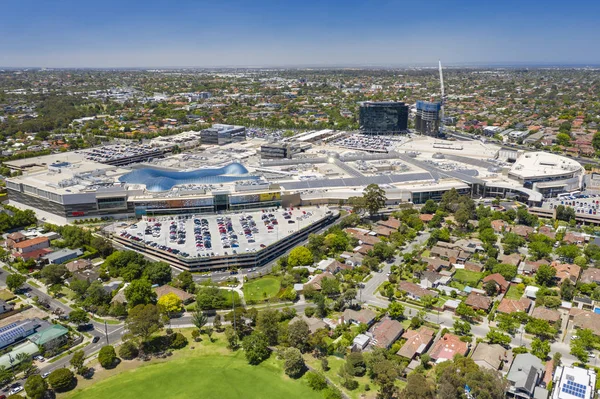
(209, 377)
(261, 289)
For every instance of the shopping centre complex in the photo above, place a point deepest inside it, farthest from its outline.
(237, 178)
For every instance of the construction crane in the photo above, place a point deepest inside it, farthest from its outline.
(443, 100)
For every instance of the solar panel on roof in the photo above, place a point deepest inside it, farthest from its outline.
(8, 327)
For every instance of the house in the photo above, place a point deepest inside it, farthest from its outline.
(33, 244)
(574, 382)
(524, 376)
(447, 347)
(62, 255)
(167, 289)
(585, 319)
(529, 268)
(583, 302)
(499, 280)
(417, 342)
(352, 259)
(474, 267)
(451, 305)
(573, 238)
(430, 279)
(544, 313)
(314, 323)
(471, 245)
(492, 357)
(531, 291)
(591, 275)
(383, 231)
(78, 264)
(478, 301)
(315, 282)
(386, 332)
(6, 307)
(512, 259)
(391, 223)
(514, 305)
(566, 271)
(499, 225)
(426, 217)
(363, 316)
(547, 231)
(360, 342)
(413, 291)
(522, 230)
(14, 238)
(50, 338)
(450, 255)
(436, 264)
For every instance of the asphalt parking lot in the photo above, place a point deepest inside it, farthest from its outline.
(584, 204)
(214, 235)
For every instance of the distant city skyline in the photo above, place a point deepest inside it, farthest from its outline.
(272, 33)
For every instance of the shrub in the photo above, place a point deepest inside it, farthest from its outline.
(294, 363)
(332, 393)
(178, 341)
(351, 384)
(309, 311)
(128, 350)
(316, 381)
(107, 356)
(61, 380)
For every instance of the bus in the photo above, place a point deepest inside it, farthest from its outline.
(571, 194)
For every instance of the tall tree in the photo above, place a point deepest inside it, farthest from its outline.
(143, 321)
(374, 197)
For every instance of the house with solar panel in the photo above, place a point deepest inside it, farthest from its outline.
(525, 376)
(18, 331)
(573, 383)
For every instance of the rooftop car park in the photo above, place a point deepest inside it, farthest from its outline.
(189, 241)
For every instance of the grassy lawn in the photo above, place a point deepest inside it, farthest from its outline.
(69, 293)
(206, 370)
(261, 289)
(33, 283)
(514, 292)
(6, 295)
(334, 366)
(426, 253)
(468, 277)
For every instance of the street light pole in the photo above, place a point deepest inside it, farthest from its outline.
(106, 332)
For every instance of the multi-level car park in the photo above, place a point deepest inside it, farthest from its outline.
(229, 241)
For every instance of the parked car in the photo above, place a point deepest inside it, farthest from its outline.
(16, 389)
(95, 339)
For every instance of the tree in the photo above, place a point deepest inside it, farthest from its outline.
(107, 356)
(36, 387)
(140, 292)
(217, 322)
(596, 141)
(568, 252)
(128, 350)
(185, 281)
(462, 215)
(462, 327)
(293, 362)
(417, 387)
(383, 251)
(396, 310)
(539, 249)
(567, 290)
(507, 271)
(199, 319)
(316, 381)
(79, 286)
(143, 321)
(77, 361)
(300, 256)
(507, 322)
(102, 245)
(267, 322)
(512, 242)
(61, 379)
(563, 139)
(540, 328)
(15, 281)
(355, 364)
(490, 288)
(545, 275)
(256, 347)
(79, 316)
(178, 341)
(429, 207)
(540, 348)
(465, 311)
(232, 337)
(298, 335)
(6, 376)
(54, 274)
(158, 273)
(374, 197)
(496, 337)
(170, 304)
(330, 287)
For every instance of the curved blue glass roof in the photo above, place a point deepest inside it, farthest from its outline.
(164, 180)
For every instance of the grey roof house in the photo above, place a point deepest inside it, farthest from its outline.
(524, 376)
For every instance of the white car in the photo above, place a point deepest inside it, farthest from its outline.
(45, 375)
(40, 358)
(16, 390)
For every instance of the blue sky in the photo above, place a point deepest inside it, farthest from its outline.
(133, 33)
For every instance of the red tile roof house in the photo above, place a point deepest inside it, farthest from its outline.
(499, 225)
(585, 319)
(391, 223)
(547, 231)
(450, 255)
(500, 281)
(31, 245)
(514, 305)
(591, 275)
(14, 238)
(436, 264)
(544, 313)
(426, 217)
(478, 301)
(512, 259)
(573, 238)
(417, 342)
(522, 231)
(414, 291)
(386, 332)
(447, 347)
(316, 280)
(566, 271)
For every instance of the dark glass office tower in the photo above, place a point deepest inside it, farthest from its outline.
(383, 117)
(427, 119)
